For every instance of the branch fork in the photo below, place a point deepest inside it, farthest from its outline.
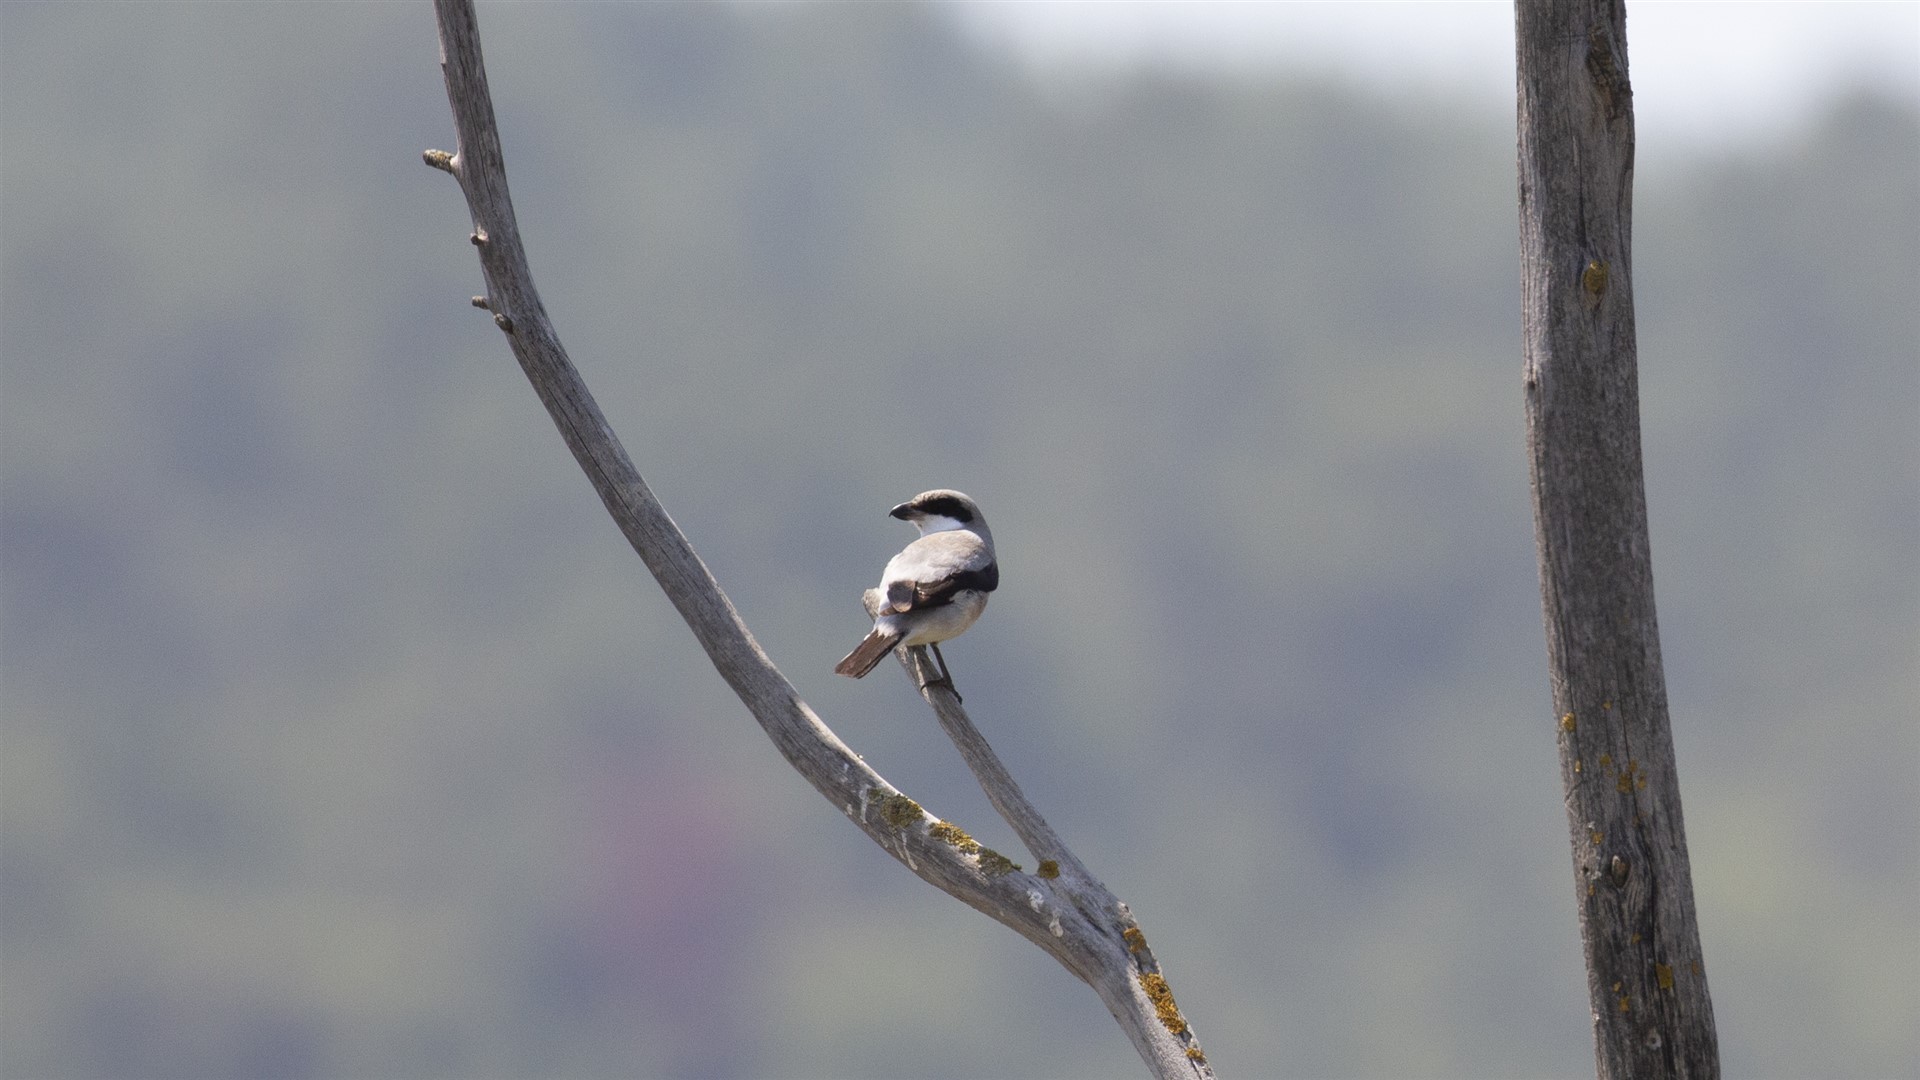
(1059, 906)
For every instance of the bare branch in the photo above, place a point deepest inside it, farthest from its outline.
(1645, 975)
(1059, 906)
(1006, 796)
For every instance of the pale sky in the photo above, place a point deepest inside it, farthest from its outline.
(1727, 71)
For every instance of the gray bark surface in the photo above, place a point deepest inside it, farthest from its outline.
(1058, 905)
(1646, 978)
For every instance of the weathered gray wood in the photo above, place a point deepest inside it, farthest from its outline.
(1645, 975)
(1058, 906)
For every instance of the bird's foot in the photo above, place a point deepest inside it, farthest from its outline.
(945, 679)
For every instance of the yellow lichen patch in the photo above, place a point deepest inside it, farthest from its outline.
(1624, 785)
(1047, 869)
(1594, 277)
(1596, 835)
(1664, 975)
(954, 835)
(1606, 761)
(1194, 1053)
(1161, 995)
(1632, 776)
(896, 809)
(1605, 706)
(1566, 723)
(1134, 938)
(1576, 764)
(994, 864)
(1626, 1004)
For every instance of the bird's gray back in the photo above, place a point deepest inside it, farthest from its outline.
(925, 570)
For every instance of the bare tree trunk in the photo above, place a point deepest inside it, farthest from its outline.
(1059, 906)
(1645, 976)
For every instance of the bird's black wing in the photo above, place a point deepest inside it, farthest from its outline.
(934, 593)
(936, 566)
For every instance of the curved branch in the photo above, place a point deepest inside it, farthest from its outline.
(1059, 907)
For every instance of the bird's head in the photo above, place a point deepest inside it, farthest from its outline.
(940, 510)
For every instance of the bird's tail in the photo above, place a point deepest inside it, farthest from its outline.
(868, 654)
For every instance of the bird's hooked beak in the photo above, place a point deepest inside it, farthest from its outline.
(904, 512)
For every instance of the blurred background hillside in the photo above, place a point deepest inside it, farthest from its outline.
(344, 737)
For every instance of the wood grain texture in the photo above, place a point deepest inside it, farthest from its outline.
(1645, 973)
(1057, 905)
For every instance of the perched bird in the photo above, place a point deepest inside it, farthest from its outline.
(935, 588)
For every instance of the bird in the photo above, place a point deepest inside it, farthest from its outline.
(935, 588)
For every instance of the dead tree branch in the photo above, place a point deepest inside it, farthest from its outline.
(1645, 975)
(1059, 906)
